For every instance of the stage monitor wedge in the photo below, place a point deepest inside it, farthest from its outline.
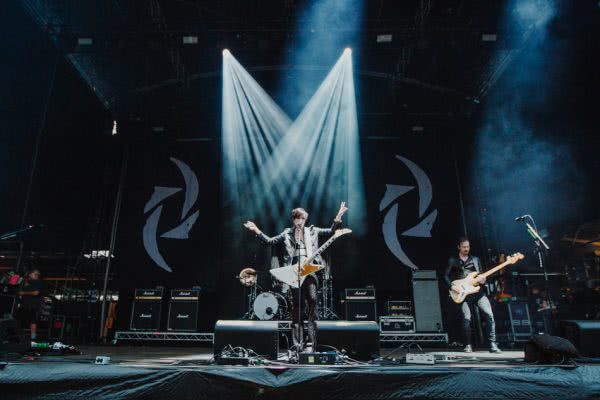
(360, 339)
(262, 337)
(584, 334)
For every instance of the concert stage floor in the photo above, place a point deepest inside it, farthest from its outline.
(186, 373)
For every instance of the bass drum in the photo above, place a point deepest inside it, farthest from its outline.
(269, 305)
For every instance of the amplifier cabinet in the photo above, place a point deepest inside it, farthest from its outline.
(183, 310)
(426, 299)
(360, 294)
(146, 310)
(397, 324)
(361, 310)
(396, 308)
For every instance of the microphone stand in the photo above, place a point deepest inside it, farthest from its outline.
(300, 324)
(541, 247)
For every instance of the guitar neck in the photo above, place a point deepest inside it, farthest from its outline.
(495, 269)
(320, 250)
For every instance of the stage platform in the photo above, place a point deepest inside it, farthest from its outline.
(143, 372)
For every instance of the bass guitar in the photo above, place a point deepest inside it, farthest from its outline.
(461, 288)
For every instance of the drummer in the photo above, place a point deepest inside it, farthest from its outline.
(247, 277)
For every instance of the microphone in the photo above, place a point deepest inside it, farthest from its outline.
(522, 217)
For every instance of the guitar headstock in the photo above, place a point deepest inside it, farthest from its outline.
(341, 232)
(514, 258)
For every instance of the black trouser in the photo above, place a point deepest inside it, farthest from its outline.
(310, 301)
(481, 301)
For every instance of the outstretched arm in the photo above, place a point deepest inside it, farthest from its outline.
(269, 240)
(337, 222)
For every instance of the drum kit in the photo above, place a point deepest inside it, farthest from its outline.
(267, 305)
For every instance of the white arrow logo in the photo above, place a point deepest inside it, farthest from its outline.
(423, 228)
(150, 231)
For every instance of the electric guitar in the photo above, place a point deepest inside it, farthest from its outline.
(290, 274)
(461, 288)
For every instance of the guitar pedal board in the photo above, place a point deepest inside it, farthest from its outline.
(324, 358)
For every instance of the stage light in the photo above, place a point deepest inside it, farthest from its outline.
(114, 128)
(488, 37)
(387, 38)
(252, 125)
(85, 41)
(271, 165)
(347, 50)
(190, 39)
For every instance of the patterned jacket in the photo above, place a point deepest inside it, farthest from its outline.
(286, 243)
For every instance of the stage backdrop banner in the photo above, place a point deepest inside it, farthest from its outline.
(413, 212)
(169, 222)
(173, 231)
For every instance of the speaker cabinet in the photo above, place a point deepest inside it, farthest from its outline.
(260, 336)
(584, 334)
(426, 296)
(361, 310)
(360, 339)
(146, 309)
(183, 310)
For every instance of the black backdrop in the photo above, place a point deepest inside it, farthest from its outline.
(211, 257)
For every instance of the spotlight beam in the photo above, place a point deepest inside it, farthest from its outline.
(271, 164)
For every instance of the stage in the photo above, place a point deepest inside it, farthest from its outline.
(186, 373)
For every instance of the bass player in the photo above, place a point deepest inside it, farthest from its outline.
(458, 268)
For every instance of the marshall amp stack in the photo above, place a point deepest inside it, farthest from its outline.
(183, 310)
(145, 312)
(361, 304)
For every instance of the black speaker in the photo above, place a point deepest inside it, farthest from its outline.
(549, 349)
(146, 309)
(12, 338)
(426, 296)
(260, 336)
(361, 310)
(183, 310)
(360, 339)
(585, 335)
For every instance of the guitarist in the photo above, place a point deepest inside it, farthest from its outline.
(303, 241)
(458, 268)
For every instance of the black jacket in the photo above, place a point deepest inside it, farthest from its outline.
(286, 243)
(457, 269)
